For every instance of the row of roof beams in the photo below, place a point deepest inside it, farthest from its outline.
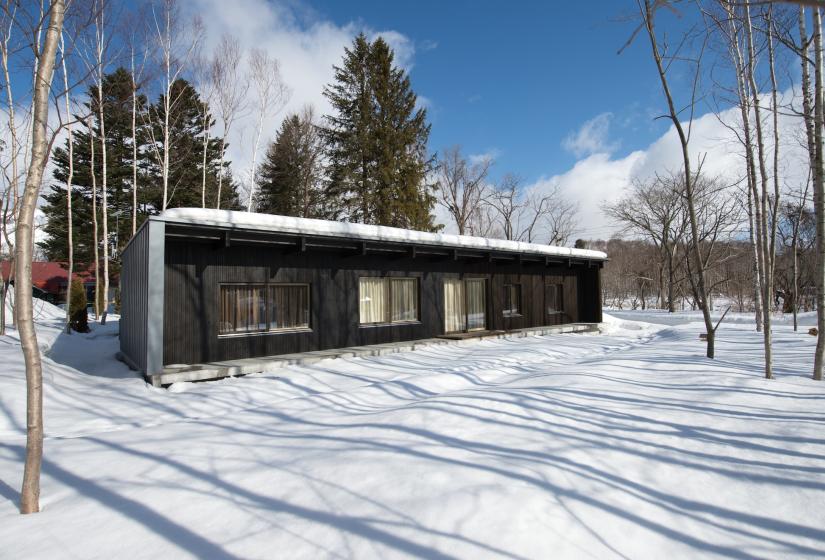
(221, 237)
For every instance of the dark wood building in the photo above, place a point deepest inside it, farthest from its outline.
(207, 285)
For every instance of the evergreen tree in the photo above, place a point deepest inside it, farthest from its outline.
(377, 141)
(186, 157)
(117, 109)
(290, 175)
(185, 171)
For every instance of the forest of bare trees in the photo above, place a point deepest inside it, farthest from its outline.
(751, 240)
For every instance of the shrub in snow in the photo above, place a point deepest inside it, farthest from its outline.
(78, 314)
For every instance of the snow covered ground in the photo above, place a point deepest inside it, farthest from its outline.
(623, 444)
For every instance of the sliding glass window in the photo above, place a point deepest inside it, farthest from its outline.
(288, 306)
(243, 308)
(387, 300)
(512, 300)
(253, 308)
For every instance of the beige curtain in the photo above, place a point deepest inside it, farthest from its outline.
(404, 299)
(455, 314)
(476, 309)
(372, 300)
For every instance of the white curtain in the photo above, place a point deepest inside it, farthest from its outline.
(372, 300)
(475, 305)
(455, 314)
(404, 299)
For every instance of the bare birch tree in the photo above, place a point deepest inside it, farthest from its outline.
(506, 202)
(45, 55)
(100, 65)
(461, 186)
(95, 229)
(271, 94)
(176, 45)
(15, 148)
(134, 31)
(230, 93)
(69, 189)
(655, 210)
(819, 194)
(647, 10)
(203, 79)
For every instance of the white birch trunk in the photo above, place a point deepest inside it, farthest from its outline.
(30, 491)
(69, 179)
(819, 198)
(104, 181)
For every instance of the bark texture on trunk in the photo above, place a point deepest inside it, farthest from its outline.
(819, 202)
(30, 491)
(701, 288)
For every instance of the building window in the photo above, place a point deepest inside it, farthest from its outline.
(243, 308)
(251, 308)
(554, 295)
(465, 305)
(404, 299)
(288, 306)
(387, 300)
(512, 300)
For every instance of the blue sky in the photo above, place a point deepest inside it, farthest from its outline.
(517, 80)
(538, 85)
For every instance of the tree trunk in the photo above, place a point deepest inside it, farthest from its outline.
(69, 178)
(205, 150)
(134, 147)
(104, 181)
(819, 199)
(94, 220)
(689, 192)
(14, 145)
(258, 130)
(761, 199)
(30, 492)
(220, 169)
(808, 119)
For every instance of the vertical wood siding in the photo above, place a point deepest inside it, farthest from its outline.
(134, 306)
(195, 270)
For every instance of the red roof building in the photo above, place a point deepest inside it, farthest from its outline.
(51, 277)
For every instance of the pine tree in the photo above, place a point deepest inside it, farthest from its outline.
(185, 171)
(289, 178)
(117, 107)
(377, 141)
(187, 128)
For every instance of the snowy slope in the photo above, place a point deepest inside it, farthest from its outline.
(624, 444)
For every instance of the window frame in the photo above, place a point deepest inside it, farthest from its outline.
(387, 319)
(508, 311)
(486, 282)
(268, 330)
(308, 326)
(559, 307)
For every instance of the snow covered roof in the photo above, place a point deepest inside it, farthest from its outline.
(306, 226)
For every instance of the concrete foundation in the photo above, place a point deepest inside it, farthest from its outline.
(232, 368)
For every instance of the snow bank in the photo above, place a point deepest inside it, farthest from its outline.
(629, 444)
(305, 226)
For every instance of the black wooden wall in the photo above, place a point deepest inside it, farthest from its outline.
(134, 300)
(194, 271)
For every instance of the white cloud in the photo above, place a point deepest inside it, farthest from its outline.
(591, 138)
(491, 154)
(307, 48)
(600, 177)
